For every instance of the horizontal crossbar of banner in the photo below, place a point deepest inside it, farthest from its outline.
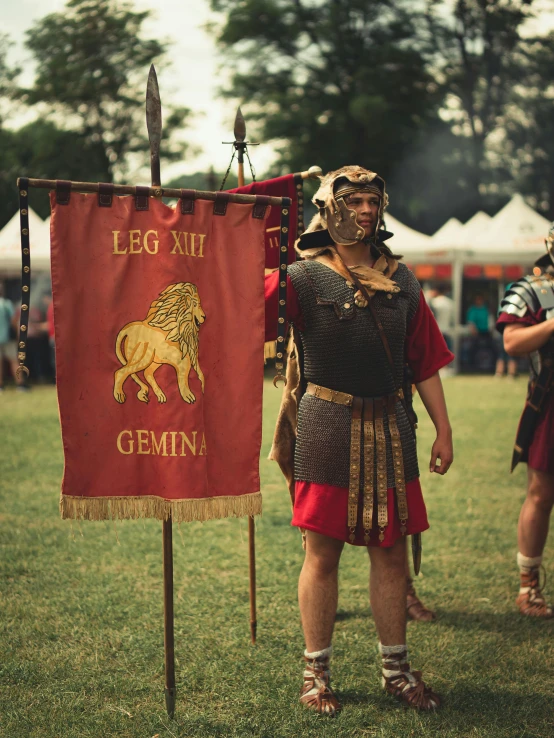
(52, 184)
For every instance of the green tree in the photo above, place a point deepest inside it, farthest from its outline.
(526, 148)
(479, 59)
(92, 66)
(337, 82)
(42, 150)
(8, 159)
(9, 90)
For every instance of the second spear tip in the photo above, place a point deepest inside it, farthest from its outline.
(240, 126)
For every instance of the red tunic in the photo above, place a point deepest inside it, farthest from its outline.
(540, 455)
(323, 508)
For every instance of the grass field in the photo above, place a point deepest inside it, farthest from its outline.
(81, 629)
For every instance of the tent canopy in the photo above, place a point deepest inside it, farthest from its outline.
(10, 244)
(448, 233)
(405, 239)
(515, 233)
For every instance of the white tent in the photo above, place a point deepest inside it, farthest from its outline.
(10, 245)
(415, 246)
(404, 238)
(449, 233)
(475, 226)
(515, 235)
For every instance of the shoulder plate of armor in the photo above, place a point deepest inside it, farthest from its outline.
(519, 298)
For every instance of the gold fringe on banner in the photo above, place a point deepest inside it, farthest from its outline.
(181, 511)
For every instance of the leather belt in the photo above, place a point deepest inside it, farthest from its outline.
(368, 421)
(341, 398)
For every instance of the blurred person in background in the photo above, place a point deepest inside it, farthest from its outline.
(478, 317)
(443, 310)
(504, 363)
(8, 344)
(526, 321)
(38, 351)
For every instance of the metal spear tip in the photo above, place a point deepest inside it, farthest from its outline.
(153, 110)
(240, 127)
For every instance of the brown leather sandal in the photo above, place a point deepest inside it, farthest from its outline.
(531, 602)
(415, 607)
(316, 692)
(407, 685)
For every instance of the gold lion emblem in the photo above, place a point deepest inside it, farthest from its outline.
(168, 335)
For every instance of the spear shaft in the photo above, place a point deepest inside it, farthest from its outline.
(240, 145)
(154, 126)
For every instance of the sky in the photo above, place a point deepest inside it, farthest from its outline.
(191, 80)
(194, 76)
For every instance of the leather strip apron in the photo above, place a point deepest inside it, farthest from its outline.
(368, 419)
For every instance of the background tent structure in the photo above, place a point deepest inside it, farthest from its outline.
(449, 233)
(10, 245)
(515, 234)
(501, 248)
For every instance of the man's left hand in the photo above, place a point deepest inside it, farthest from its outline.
(443, 452)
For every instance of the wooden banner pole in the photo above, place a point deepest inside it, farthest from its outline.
(240, 146)
(169, 631)
(154, 126)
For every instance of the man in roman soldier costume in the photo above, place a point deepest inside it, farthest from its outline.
(526, 320)
(345, 436)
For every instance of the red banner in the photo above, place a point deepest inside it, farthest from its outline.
(288, 186)
(159, 322)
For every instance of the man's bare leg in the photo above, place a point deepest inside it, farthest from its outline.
(532, 532)
(534, 517)
(318, 597)
(387, 592)
(318, 589)
(388, 588)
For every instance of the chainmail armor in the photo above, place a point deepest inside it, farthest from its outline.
(343, 351)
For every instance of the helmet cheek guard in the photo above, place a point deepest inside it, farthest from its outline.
(342, 223)
(334, 214)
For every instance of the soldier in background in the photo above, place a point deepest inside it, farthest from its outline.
(526, 320)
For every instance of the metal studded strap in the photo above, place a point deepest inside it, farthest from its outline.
(282, 293)
(299, 185)
(398, 465)
(369, 464)
(381, 463)
(355, 464)
(25, 274)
